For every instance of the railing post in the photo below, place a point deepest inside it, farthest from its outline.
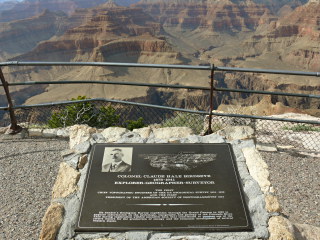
(14, 127)
(209, 131)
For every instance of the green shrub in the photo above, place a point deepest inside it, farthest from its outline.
(303, 128)
(84, 113)
(184, 119)
(133, 124)
(88, 113)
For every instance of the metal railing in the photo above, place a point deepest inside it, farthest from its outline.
(212, 117)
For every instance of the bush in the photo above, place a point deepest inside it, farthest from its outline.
(184, 119)
(88, 113)
(303, 128)
(132, 124)
(84, 113)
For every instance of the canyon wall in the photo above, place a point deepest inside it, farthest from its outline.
(232, 33)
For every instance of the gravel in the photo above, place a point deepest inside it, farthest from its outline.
(296, 179)
(28, 168)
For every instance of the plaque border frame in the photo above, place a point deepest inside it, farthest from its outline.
(248, 228)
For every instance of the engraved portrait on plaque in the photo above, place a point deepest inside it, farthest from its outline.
(177, 187)
(117, 159)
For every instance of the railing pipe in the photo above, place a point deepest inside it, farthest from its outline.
(194, 67)
(104, 64)
(165, 86)
(110, 82)
(268, 71)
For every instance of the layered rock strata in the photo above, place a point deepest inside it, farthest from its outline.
(216, 16)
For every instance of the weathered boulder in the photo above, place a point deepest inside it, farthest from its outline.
(280, 228)
(257, 167)
(97, 138)
(113, 134)
(82, 147)
(306, 232)
(80, 133)
(172, 132)
(237, 132)
(66, 182)
(52, 221)
(143, 132)
(272, 204)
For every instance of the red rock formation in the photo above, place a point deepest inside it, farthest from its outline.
(222, 15)
(304, 21)
(104, 30)
(294, 37)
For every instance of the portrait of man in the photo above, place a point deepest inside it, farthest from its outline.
(117, 160)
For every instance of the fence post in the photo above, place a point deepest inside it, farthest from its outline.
(209, 131)
(14, 127)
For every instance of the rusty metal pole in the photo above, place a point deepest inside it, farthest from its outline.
(209, 131)
(14, 127)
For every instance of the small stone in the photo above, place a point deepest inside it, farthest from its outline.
(66, 182)
(272, 204)
(172, 132)
(131, 137)
(143, 132)
(35, 132)
(280, 229)
(267, 147)
(52, 221)
(83, 147)
(112, 134)
(83, 161)
(174, 140)
(49, 133)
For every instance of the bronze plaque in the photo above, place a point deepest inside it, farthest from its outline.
(176, 187)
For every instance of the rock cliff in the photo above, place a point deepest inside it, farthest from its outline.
(217, 16)
(295, 38)
(20, 36)
(29, 8)
(105, 24)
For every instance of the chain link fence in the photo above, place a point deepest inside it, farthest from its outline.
(287, 134)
